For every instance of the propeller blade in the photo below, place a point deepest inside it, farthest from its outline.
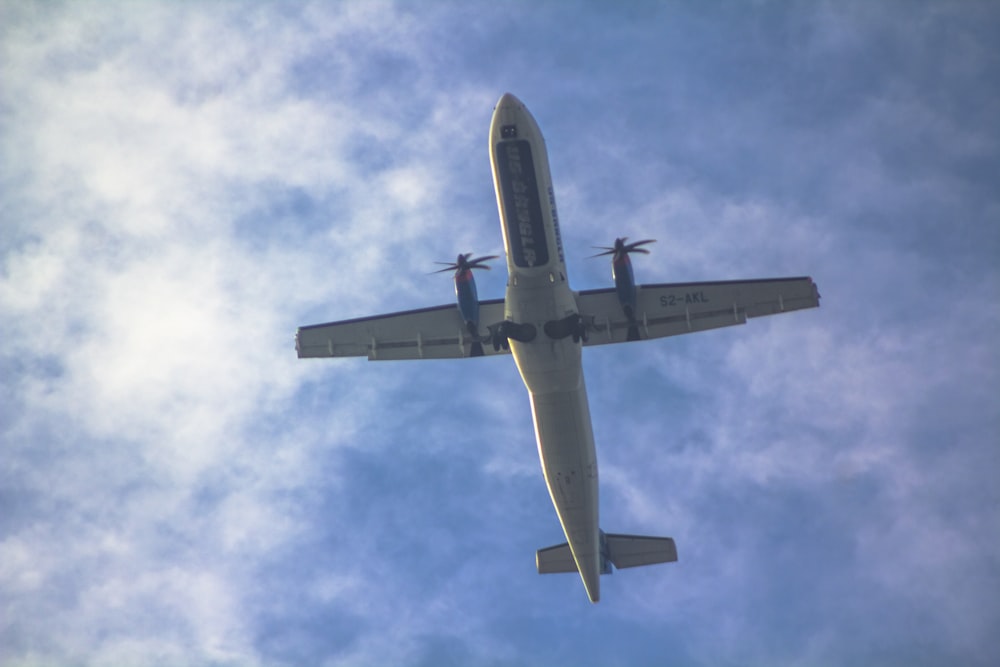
(634, 247)
(621, 247)
(478, 262)
(462, 262)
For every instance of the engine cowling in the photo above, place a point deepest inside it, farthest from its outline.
(621, 271)
(467, 295)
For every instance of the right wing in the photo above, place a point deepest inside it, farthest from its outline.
(426, 333)
(670, 309)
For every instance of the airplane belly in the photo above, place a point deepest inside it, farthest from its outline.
(550, 364)
(569, 462)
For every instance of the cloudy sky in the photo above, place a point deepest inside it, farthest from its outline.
(183, 184)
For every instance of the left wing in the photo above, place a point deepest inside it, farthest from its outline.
(671, 309)
(426, 333)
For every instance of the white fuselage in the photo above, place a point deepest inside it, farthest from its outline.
(538, 292)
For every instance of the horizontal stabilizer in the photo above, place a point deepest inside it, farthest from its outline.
(619, 550)
(555, 559)
(635, 550)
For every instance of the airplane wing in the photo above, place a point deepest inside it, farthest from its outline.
(427, 333)
(670, 309)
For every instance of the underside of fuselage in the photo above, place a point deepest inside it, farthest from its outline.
(538, 293)
(569, 463)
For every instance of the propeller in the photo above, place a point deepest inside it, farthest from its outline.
(463, 263)
(621, 248)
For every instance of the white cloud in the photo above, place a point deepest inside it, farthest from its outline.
(186, 184)
(169, 335)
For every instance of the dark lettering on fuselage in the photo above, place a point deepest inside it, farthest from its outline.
(670, 300)
(555, 225)
(522, 204)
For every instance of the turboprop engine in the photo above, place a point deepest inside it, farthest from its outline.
(467, 295)
(621, 271)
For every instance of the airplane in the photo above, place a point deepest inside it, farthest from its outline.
(544, 325)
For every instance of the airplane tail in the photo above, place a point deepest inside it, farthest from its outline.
(619, 550)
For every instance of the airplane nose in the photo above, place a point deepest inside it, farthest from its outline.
(508, 100)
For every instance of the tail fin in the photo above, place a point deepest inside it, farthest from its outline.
(619, 550)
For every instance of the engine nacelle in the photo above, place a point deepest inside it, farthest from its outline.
(621, 271)
(467, 295)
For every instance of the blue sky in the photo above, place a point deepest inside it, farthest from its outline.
(183, 184)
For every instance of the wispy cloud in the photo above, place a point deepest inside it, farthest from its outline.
(183, 185)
